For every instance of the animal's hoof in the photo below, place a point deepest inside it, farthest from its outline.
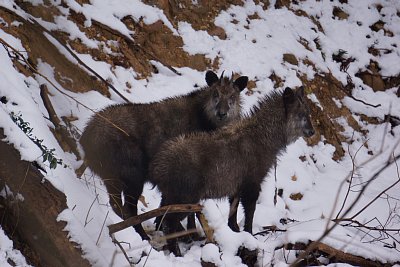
(174, 248)
(249, 257)
(185, 239)
(196, 237)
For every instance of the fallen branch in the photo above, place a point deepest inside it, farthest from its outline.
(61, 134)
(116, 242)
(132, 221)
(207, 229)
(335, 255)
(268, 229)
(164, 238)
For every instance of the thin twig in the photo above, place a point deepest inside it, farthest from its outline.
(31, 18)
(87, 214)
(102, 227)
(378, 196)
(314, 244)
(115, 241)
(353, 158)
(340, 86)
(365, 103)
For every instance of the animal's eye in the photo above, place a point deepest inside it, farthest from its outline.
(215, 94)
(232, 97)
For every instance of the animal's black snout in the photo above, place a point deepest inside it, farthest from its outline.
(222, 115)
(309, 132)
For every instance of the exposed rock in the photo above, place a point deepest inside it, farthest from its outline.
(296, 196)
(326, 88)
(372, 78)
(377, 26)
(278, 82)
(201, 15)
(32, 223)
(207, 264)
(339, 13)
(249, 257)
(290, 58)
(282, 3)
(380, 25)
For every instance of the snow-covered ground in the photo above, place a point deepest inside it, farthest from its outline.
(253, 47)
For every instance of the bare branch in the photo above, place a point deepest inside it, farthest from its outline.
(380, 194)
(351, 174)
(102, 227)
(69, 51)
(35, 71)
(313, 245)
(61, 134)
(132, 221)
(207, 229)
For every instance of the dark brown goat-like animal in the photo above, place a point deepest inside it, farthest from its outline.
(119, 152)
(230, 162)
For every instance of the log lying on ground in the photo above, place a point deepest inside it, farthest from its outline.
(29, 213)
(336, 256)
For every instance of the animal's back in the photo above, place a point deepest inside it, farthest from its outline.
(212, 164)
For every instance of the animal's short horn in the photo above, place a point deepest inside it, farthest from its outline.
(221, 78)
(222, 75)
(231, 80)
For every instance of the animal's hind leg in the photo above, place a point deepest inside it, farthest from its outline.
(191, 225)
(170, 225)
(248, 197)
(114, 190)
(132, 194)
(159, 219)
(233, 206)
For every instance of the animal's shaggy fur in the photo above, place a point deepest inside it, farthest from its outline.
(232, 161)
(119, 152)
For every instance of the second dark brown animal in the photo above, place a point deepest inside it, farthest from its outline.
(230, 162)
(120, 140)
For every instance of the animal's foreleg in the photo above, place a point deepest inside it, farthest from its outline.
(170, 226)
(232, 219)
(132, 193)
(249, 196)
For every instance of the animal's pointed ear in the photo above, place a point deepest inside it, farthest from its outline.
(211, 78)
(288, 96)
(241, 82)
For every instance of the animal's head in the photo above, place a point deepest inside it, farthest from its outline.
(297, 114)
(223, 104)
